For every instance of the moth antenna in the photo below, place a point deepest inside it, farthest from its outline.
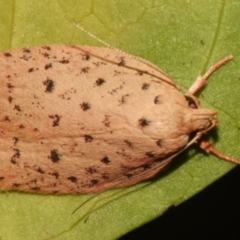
(201, 81)
(216, 66)
(119, 50)
(92, 35)
(99, 39)
(208, 147)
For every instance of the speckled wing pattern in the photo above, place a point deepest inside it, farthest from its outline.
(78, 119)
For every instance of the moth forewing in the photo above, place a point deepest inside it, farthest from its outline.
(79, 119)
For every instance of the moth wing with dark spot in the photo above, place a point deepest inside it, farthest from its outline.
(82, 119)
(122, 59)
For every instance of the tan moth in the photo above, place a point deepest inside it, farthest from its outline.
(79, 119)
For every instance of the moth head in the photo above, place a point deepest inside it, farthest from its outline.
(202, 119)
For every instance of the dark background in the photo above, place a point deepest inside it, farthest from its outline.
(214, 213)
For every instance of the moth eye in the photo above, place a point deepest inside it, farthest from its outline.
(191, 103)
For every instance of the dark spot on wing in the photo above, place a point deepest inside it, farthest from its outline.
(88, 138)
(159, 143)
(49, 85)
(15, 156)
(86, 57)
(46, 48)
(10, 99)
(56, 119)
(91, 170)
(6, 54)
(94, 181)
(105, 160)
(122, 62)
(16, 185)
(36, 188)
(143, 122)
(85, 69)
(47, 66)
(100, 81)
(40, 170)
(157, 99)
(145, 86)
(128, 143)
(26, 50)
(15, 140)
(85, 106)
(55, 174)
(54, 156)
(105, 175)
(150, 154)
(17, 107)
(72, 179)
(64, 61)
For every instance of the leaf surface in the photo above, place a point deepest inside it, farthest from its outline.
(183, 38)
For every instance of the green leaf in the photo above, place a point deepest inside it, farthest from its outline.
(184, 38)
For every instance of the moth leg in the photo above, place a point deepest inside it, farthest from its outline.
(208, 147)
(201, 81)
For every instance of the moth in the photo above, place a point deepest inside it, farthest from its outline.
(80, 119)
